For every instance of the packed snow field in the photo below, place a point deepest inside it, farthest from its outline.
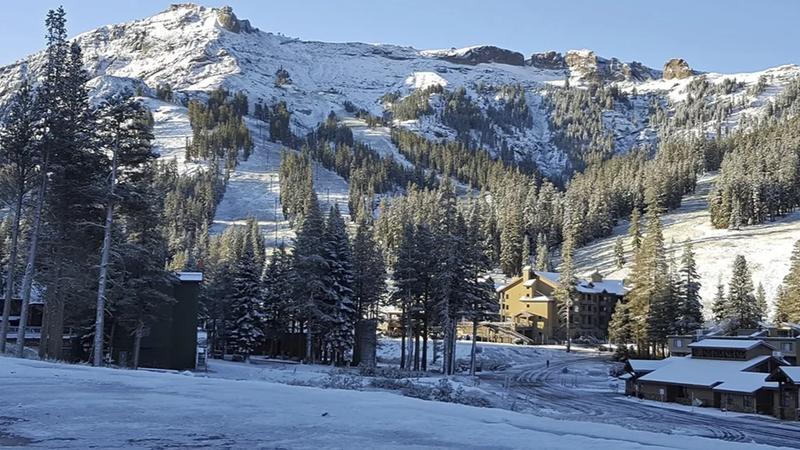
(767, 247)
(50, 405)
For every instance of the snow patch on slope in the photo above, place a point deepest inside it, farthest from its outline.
(766, 247)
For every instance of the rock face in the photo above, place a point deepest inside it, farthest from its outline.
(548, 60)
(676, 69)
(227, 19)
(483, 54)
(587, 66)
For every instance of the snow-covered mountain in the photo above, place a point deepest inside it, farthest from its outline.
(195, 49)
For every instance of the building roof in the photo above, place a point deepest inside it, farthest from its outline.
(616, 287)
(703, 372)
(746, 382)
(513, 281)
(738, 344)
(190, 276)
(792, 373)
(648, 365)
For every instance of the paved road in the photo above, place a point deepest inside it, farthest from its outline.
(550, 391)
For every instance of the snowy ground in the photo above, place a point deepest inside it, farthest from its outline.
(767, 247)
(48, 405)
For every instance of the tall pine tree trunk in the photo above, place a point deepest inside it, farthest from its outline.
(27, 279)
(309, 337)
(425, 342)
(99, 321)
(51, 343)
(12, 265)
(409, 339)
(137, 343)
(416, 348)
(473, 350)
(403, 340)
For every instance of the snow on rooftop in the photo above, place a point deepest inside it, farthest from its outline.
(705, 372)
(739, 344)
(190, 276)
(793, 373)
(649, 365)
(746, 382)
(616, 287)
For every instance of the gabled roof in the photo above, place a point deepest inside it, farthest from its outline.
(746, 382)
(511, 283)
(737, 344)
(708, 373)
(616, 287)
(791, 373)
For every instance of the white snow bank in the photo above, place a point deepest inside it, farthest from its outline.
(64, 406)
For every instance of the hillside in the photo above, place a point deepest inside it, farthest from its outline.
(613, 104)
(196, 49)
(767, 247)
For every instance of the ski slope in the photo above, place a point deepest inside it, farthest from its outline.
(766, 247)
(253, 191)
(378, 138)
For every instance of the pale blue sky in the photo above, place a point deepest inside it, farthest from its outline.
(713, 35)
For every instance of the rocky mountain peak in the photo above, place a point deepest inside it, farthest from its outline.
(478, 54)
(586, 66)
(551, 60)
(677, 68)
(228, 20)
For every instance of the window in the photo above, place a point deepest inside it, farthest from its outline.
(786, 347)
(748, 401)
(678, 343)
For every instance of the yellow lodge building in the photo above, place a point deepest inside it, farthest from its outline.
(527, 305)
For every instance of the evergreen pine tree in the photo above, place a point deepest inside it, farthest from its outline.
(690, 307)
(313, 282)
(619, 327)
(619, 253)
(788, 303)
(741, 305)
(783, 309)
(336, 249)
(369, 271)
(720, 306)
(276, 284)
(18, 153)
(634, 229)
(565, 292)
(542, 254)
(246, 320)
(761, 302)
(511, 242)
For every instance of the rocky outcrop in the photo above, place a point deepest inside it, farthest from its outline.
(548, 61)
(676, 69)
(481, 54)
(588, 67)
(228, 20)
